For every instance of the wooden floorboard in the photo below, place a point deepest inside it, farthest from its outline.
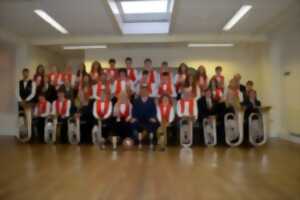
(63, 172)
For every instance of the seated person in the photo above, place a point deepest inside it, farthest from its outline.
(41, 112)
(187, 105)
(123, 114)
(102, 86)
(61, 108)
(166, 86)
(102, 110)
(144, 115)
(165, 69)
(165, 115)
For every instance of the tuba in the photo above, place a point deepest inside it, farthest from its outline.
(50, 132)
(74, 130)
(25, 123)
(97, 137)
(186, 132)
(234, 128)
(258, 128)
(210, 131)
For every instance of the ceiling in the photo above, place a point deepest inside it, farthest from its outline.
(86, 19)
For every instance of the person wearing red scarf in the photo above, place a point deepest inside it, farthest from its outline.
(131, 73)
(187, 105)
(145, 81)
(152, 78)
(40, 113)
(164, 68)
(95, 71)
(166, 86)
(122, 84)
(111, 71)
(61, 108)
(103, 85)
(218, 78)
(123, 114)
(165, 110)
(102, 109)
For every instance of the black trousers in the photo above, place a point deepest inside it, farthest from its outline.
(86, 124)
(63, 123)
(123, 129)
(39, 124)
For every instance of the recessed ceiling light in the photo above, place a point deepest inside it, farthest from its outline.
(51, 21)
(85, 47)
(237, 17)
(139, 7)
(210, 45)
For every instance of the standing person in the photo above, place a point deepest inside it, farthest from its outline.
(123, 115)
(39, 79)
(112, 72)
(218, 79)
(131, 72)
(191, 82)
(61, 108)
(145, 81)
(180, 78)
(96, 71)
(81, 72)
(27, 87)
(248, 89)
(144, 116)
(205, 106)
(165, 115)
(102, 110)
(164, 68)
(201, 78)
(67, 76)
(41, 112)
(166, 86)
(122, 84)
(153, 78)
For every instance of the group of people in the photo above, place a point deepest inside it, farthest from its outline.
(130, 101)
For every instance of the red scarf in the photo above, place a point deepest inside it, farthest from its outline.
(217, 94)
(148, 83)
(61, 110)
(219, 78)
(100, 90)
(42, 107)
(67, 76)
(101, 113)
(119, 86)
(53, 77)
(131, 74)
(111, 72)
(168, 90)
(151, 77)
(191, 106)
(165, 113)
(125, 113)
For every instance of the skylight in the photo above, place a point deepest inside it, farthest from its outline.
(141, 7)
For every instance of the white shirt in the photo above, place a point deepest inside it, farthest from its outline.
(33, 91)
(186, 110)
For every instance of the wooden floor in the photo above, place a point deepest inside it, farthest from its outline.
(64, 172)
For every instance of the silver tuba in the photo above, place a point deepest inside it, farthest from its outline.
(210, 131)
(234, 128)
(25, 124)
(50, 132)
(97, 137)
(74, 130)
(186, 132)
(257, 131)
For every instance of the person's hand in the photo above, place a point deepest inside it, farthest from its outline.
(133, 120)
(118, 119)
(77, 115)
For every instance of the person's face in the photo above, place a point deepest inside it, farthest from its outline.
(128, 63)
(40, 70)
(252, 95)
(42, 98)
(112, 64)
(219, 71)
(201, 70)
(144, 92)
(208, 93)
(164, 66)
(148, 64)
(61, 96)
(25, 74)
(249, 86)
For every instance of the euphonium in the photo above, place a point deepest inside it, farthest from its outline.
(210, 131)
(50, 132)
(186, 132)
(74, 130)
(234, 128)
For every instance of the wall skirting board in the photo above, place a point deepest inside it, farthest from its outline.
(291, 137)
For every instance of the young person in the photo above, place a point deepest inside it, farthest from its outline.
(205, 106)
(166, 86)
(165, 69)
(187, 105)
(39, 79)
(145, 81)
(201, 78)
(79, 75)
(41, 112)
(123, 115)
(67, 76)
(152, 78)
(96, 71)
(112, 72)
(55, 77)
(191, 82)
(131, 73)
(27, 87)
(165, 115)
(102, 109)
(122, 84)
(61, 108)
(180, 78)
(144, 115)
(218, 79)
(103, 85)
